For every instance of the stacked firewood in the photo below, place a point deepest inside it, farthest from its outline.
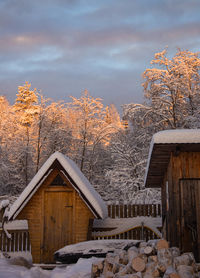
(147, 260)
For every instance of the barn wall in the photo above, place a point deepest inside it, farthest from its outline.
(184, 165)
(34, 210)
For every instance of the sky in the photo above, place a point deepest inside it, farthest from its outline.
(63, 47)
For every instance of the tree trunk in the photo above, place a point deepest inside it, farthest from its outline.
(84, 146)
(26, 156)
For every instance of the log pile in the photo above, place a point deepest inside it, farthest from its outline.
(147, 260)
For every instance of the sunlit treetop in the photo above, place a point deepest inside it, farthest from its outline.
(26, 103)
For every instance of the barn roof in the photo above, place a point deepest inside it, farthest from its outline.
(162, 145)
(76, 177)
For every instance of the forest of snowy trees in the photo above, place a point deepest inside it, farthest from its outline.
(111, 155)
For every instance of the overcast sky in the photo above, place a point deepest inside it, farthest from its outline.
(65, 46)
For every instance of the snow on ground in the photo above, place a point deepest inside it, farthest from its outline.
(82, 269)
(22, 254)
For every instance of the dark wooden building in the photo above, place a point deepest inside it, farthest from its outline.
(59, 205)
(174, 165)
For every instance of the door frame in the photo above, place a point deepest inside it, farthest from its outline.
(54, 189)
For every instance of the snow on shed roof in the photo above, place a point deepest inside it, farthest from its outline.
(183, 136)
(84, 187)
(168, 141)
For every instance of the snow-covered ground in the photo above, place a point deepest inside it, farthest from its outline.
(82, 269)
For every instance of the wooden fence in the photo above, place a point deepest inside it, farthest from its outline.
(139, 233)
(119, 210)
(19, 241)
(15, 237)
(129, 221)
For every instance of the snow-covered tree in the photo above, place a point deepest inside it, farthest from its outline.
(10, 178)
(112, 116)
(92, 128)
(172, 88)
(26, 109)
(26, 104)
(90, 114)
(172, 100)
(56, 130)
(128, 152)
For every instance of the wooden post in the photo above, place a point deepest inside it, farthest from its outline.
(89, 234)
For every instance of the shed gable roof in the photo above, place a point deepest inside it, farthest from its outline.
(162, 145)
(72, 173)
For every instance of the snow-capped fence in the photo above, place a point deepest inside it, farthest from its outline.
(19, 241)
(14, 237)
(129, 210)
(129, 221)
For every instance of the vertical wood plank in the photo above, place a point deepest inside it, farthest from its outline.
(109, 210)
(125, 211)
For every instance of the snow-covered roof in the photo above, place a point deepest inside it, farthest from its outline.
(16, 225)
(168, 141)
(173, 136)
(83, 186)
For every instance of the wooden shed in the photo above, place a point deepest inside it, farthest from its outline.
(59, 205)
(174, 165)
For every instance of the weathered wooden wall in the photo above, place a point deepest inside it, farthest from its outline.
(185, 165)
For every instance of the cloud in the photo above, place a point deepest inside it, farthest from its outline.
(100, 45)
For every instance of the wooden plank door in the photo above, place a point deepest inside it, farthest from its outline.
(190, 216)
(58, 210)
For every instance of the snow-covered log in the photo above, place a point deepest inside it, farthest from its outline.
(164, 257)
(148, 250)
(175, 251)
(153, 259)
(138, 264)
(127, 269)
(185, 271)
(97, 268)
(164, 263)
(123, 257)
(162, 244)
(132, 253)
(171, 273)
(184, 259)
